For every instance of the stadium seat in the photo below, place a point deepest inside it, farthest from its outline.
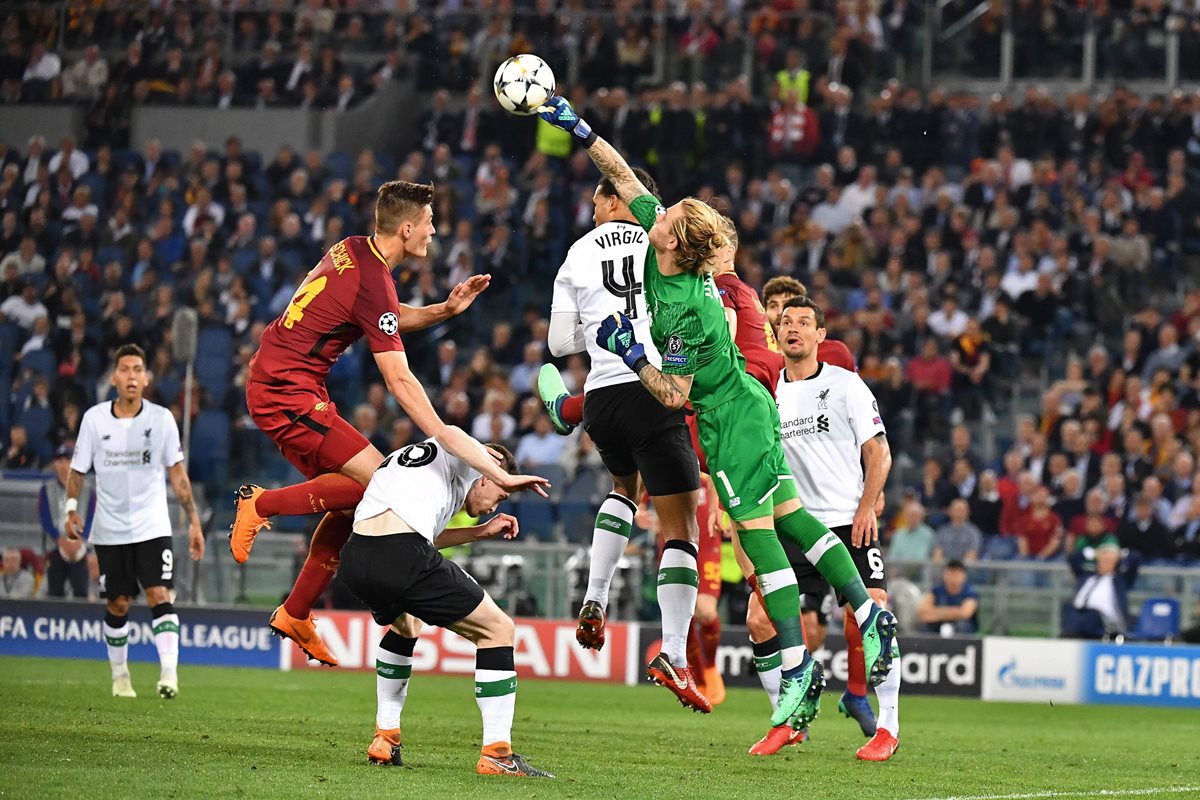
(39, 425)
(106, 254)
(209, 445)
(536, 515)
(41, 362)
(1157, 621)
(999, 548)
(340, 165)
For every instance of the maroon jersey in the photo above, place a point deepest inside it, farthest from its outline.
(831, 351)
(348, 295)
(753, 335)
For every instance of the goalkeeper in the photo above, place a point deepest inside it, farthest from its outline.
(737, 420)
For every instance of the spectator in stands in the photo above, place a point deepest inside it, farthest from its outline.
(931, 376)
(1039, 530)
(39, 81)
(85, 79)
(913, 539)
(541, 447)
(366, 422)
(1187, 534)
(524, 375)
(25, 259)
(20, 455)
(15, 583)
(1144, 533)
(1104, 578)
(23, 309)
(70, 562)
(952, 606)
(494, 424)
(959, 539)
(986, 504)
(1088, 528)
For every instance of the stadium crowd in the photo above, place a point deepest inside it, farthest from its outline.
(963, 247)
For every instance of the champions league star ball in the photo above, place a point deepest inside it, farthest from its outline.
(523, 83)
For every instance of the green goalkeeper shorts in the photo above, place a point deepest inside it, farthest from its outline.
(745, 457)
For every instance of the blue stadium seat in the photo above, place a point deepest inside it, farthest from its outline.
(578, 520)
(1157, 621)
(107, 254)
(209, 445)
(214, 361)
(340, 164)
(41, 362)
(999, 548)
(39, 425)
(536, 515)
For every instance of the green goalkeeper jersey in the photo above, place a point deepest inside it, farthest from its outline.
(687, 324)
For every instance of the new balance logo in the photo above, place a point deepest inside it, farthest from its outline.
(610, 523)
(822, 424)
(106, 437)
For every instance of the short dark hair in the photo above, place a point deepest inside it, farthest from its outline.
(398, 201)
(129, 350)
(782, 284)
(804, 301)
(508, 461)
(609, 190)
(954, 563)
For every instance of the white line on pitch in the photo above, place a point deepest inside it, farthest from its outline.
(1091, 793)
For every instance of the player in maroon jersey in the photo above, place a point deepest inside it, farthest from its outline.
(348, 295)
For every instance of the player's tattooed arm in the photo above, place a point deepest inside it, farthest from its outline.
(614, 167)
(183, 491)
(670, 390)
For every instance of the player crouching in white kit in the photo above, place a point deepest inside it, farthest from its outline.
(130, 442)
(392, 564)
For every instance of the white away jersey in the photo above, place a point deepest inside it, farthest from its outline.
(824, 422)
(130, 457)
(422, 484)
(604, 274)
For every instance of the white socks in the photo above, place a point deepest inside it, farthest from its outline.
(610, 535)
(677, 589)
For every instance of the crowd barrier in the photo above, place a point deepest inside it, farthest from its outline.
(992, 668)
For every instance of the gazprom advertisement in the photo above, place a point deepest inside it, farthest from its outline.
(1145, 675)
(218, 637)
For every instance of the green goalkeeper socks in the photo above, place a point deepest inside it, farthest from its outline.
(825, 551)
(777, 582)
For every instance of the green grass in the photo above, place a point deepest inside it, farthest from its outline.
(259, 734)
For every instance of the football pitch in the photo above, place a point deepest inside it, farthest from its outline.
(259, 734)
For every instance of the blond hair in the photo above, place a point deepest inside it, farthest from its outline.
(700, 233)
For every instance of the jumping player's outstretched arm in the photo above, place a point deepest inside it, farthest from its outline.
(461, 297)
(559, 113)
(411, 396)
(616, 335)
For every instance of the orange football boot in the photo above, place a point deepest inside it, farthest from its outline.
(713, 686)
(246, 523)
(385, 748)
(304, 633)
(499, 759)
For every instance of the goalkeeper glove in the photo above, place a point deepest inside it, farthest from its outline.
(559, 113)
(616, 336)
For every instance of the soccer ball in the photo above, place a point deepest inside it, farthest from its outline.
(523, 83)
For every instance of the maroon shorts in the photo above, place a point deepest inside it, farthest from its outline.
(305, 425)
